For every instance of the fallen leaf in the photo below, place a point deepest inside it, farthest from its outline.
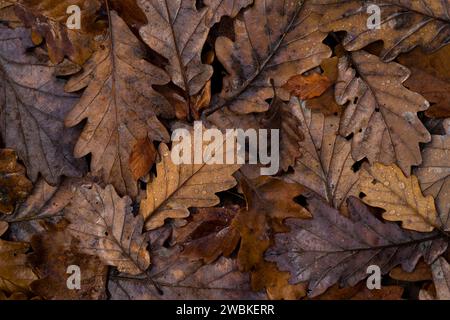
(360, 292)
(381, 113)
(48, 18)
(54, 250)
(309, 86)
(177, 31)
(404, 24)
(179, 187)
(332, 248)
(221, 8)
(441, 279)
(15, 274)
(33, 107)
(422, 272)
(106, 228)
(326, 164)
(264, 51)
(434, 176)
(120, 105)
(401, 197)
(14, 185)
(430, 76)
(182, 279)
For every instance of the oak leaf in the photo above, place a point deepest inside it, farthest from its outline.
(14, 185)
(441, 278)
(221, 8)
(332, 248)
(48, 18)
(33, 106)
(105, 226)
(15, 274)
(275, 40)
(309, 86)
(380, 112)
(434, 176)
(120, 105)
(177, 31)
(326, 164)
(178, 187)
(404, 24)
(386, 187)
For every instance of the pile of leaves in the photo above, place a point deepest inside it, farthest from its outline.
(86, 176)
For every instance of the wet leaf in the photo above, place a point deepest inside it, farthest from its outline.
(33, 107)
(120, 105)
(331, 248)
(106, 228)
(220, 8)
(441, 276)
(380, 112)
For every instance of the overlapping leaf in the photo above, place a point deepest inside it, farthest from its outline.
(275, 40)
(33, 107)
(381, 113)
(404, 24)
(106, 228)
(331, 248)
(120, 106)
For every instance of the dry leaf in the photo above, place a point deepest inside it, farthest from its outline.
(404, 24)
(360, 292)
(177, 31)
(381, 113)
(434, 176)
(309, 86)
(120, 106)
(430, 76)
(48, 18)
(441, 279)
(179, 278)
(326, 164)
(179, 187)
(386, 187)
(331, 248)
(221, 8)
(33, 107)
(275, 40)
(54, 250)
(14, 185)
(105, 226)
(422, 272)
(15, 274)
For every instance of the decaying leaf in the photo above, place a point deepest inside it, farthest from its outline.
(386, 187)
(326, 164)
(220, 8)
(105, 226)
(422, 272)
(332, 248)
(430, 76)
(275, 40)
(14, 185)
(48, 18)
(404, 24)
(15, 274)
(54, 250)
(33, 106)
(381, 113)
(181, 278)
(120, 106)
(434, 176)
(361, 292)
(178, 187)
(177, 31)
(307, 87)
(441, 279)
(209, 234)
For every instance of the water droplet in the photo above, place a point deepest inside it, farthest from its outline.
(386, 183)
(401, 185)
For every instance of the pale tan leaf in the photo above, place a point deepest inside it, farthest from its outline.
(326, 162)
(441, 278)
(106, 227)
(387, 187)
(178, 187)
(220, 8)
(380, 111)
